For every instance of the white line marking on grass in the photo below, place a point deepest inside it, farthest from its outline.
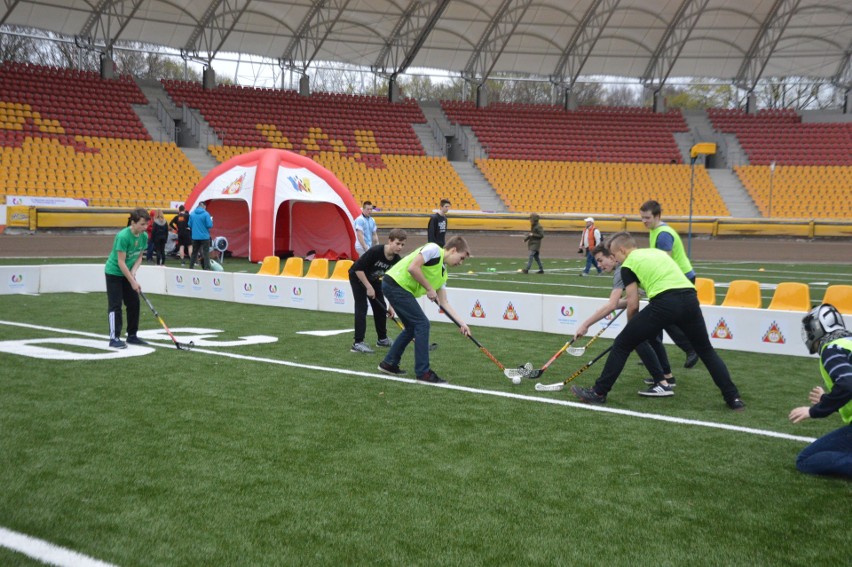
(45, 551)
(510, 395)
(330, 333)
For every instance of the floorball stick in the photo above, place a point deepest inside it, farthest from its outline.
(179, 345)
(532, 375)
(579, 351)
(513, 374)
(399, 324)
(559, 385)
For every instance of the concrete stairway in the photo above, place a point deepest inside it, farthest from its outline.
(201, 159)
(479, 187)
(428, 141)
(733, 193)
(433, 142)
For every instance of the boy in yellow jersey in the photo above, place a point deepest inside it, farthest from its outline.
(423, 272)
(672, 301)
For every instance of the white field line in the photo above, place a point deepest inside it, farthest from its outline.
(45, 551)
(536, 399)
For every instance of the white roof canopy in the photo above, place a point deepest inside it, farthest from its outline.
(739, 40)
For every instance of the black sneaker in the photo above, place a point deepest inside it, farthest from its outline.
(540, 272)
(691, 360)
(736, 404)
(431, 378)
(117, 343)
(657, 391)
(588, 395)
(134, 340)
(672, 381)
(392, 369)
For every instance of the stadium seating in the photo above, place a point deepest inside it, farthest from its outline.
(799, 191)
(743, 293)
(840, 296)
(294, 267)
(341, 270)
(318, 269)
(67, 133)
(791, 296)
(608, 188)
(706, 289)
(271, 266)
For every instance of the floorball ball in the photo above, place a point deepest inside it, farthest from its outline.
(516, 380)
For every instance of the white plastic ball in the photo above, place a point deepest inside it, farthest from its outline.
(516, 380)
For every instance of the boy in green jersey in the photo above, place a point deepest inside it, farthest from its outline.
(672, 301)
(121, 284)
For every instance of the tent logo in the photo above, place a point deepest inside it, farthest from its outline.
(477, 312)
(722, 331)
(774, 335)
(300, 185)
(235, 186)
(567, 311)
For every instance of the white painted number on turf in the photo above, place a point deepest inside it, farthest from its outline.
(204, 337)
(34, 348)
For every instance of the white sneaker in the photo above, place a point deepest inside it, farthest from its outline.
(362, 348)
(658, 391)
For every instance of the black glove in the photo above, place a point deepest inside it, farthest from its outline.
(580, 250)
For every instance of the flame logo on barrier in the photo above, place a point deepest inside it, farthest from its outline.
(297, 291)
(477, 311)
(567, 311)
(510, 314)
(247, 286)
(273, 288)
(235, 186)
(722, 331)
(774, 335)
(300, 185)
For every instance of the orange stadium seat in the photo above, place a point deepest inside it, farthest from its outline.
(791, 296)
(743, 293)
(840, 296)
(706, 289)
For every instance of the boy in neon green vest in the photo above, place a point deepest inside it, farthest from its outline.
(672, 301)
(824, 331)
(665, 238)
(423, 272)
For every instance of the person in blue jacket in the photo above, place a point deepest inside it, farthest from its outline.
(200, 223)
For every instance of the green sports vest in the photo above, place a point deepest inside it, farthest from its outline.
(436, 275)
(678, 253)
(656, 270)
(846, 411)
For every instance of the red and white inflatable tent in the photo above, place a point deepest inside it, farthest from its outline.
(269, 202)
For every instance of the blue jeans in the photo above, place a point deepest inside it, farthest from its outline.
(830, 454)
(590, 261)
(416, 327)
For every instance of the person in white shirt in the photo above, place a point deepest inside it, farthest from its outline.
(365, 229)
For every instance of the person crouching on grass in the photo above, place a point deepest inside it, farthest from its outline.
(824, 331)
(365, 277)
(672, 301)
(121, 285)
(423, 272)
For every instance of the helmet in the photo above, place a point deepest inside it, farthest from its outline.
(819, 322)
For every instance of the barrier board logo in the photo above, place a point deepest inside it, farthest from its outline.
(774, 335)
(567, 311)
(247, 287)
(722, 331)
(339, 296)
(477, 311)
(510, 314)
(273, 288)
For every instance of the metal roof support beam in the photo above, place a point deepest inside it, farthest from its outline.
(582, 41)
(312, 33)
(492, 43)
(764, 43)
(408, 36)
(106, 16)
(10, 6)
(668, 50)
(213, 28)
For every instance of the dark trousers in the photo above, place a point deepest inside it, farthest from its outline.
(200, 252)
(654, 357)
(830, 454)
(416, 323)
(119, 290)
(534, 255)
(380, 313)
(677, 336)
(160, 251)
(676, 307)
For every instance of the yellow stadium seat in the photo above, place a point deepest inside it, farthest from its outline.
(271, 266)
(840, 296)
(743, 293)
(293, 267)
(706, 289)
(341, 270)
(791, 296)
(318, 269)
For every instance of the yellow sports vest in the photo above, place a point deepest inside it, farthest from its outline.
(846, 411)
(678, 253)
(656, 270)
(436, 275)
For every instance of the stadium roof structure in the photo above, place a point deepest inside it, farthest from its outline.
(654, 40)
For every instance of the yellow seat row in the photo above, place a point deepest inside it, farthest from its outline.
(799, 191)
(294, 267)
(788, 296)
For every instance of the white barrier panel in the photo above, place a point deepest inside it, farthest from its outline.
(757, 330)
(19, 279)
(276, 291)
(199, 284)
(81, 278)
(336, 296)
(504, 310)
(152, 278)
(564, 313)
